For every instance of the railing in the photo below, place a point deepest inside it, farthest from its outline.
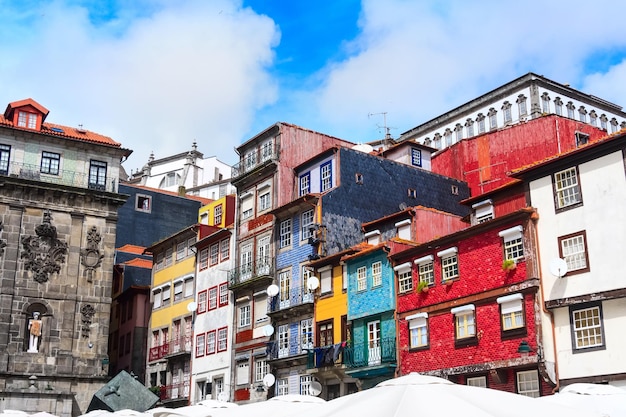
(370, 354)
(64, 177)
(295, 297)
(176, 391)
(253, 159)
(322, 356)
(294, 345)
(181, 344)
(260, 267)
(158, 352)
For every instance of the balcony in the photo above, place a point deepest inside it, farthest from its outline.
(295, 302)
(290, 349)
(179, 346)
(64, 177)
(158, 352)
(174, 392)
(255, 159)
(260, 271)
(373, 354)
(326, 356)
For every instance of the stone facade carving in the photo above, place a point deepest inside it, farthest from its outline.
(45, 253)
(3, 243)
(90, 257)
(87, 311)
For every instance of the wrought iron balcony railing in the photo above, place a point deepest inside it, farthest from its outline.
(373, 353)
(255, 158)
(158, 352)
(248, 271)
(62, 177)
(176, 391)
(289, 346)
(323, 356)
(175, 346)
(291, 298)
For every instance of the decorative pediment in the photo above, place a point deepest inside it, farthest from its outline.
(44, 253)
(90, 257)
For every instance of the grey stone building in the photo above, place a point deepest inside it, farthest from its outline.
(58, 217)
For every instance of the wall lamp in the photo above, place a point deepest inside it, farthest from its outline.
(524, 349)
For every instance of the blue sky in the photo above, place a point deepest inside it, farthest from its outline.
(157, 75)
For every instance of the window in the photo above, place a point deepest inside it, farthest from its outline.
(224, 249)
(326, 281)
(377, 274)
(545, 103)
(306, 221)
(222, 339)
(603, 121)
(243, 373)
(521, 104)
(266, 151)
(405, 278)
(447, 135)
(50, 163)
(261, 368)
(178, 290)
(264, 202)
(244, 315)
(5, 152)
(586, 323)
(326, 176)
(464, 322)
(582, 114)
(202, 301)
(305, 184)
(223, 294)
(157, 300)
(573, 249)
(558, 106)
(511, 311)
(593, 118)
(283, 340)
(282, 386)
(358, 178)
(26, 119)
(403, 229)
(246, 260)
(506, 112)
(477, 381)
(493, 120)
(528, 383)
(169, 256)
(217, 215)
(215, 254)
(284, 284)
(218, 383)
(200, 346)
(285, 233)
(581, 139)
(181, 251)
(458, 133)
(483, 211)
(210, 342)
(513, 243)
(418, 330)
(204, 259)
(416, 157)
(361, 278)
(570, 109)
(212, 298)
(566, 188)
(325, 333)
(449, 264)
(305, 384)
(469, 126)
(480, 119)
(97, 175)
(426, 269)
(166, 295)
(306, 334)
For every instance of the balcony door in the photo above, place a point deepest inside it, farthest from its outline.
(284, 279)
(373, 343)
(245, 264)
(263, 256)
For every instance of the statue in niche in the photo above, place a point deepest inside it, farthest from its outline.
(91, 258)
(45, 253)
(34, 327)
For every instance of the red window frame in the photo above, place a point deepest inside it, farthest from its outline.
(203, 263)
(211, 352)
(198, 336)
(202, 301)
(212, 305)
(217, 342)
(223, 290)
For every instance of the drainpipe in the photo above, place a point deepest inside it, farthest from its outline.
(535, 219)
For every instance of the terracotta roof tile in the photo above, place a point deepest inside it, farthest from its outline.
(140, 263)
(132, 249)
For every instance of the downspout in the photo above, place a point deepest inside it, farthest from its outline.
(558, 135)
(549, 313)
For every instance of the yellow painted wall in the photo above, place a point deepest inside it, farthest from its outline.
(333, 306)
(208, 209)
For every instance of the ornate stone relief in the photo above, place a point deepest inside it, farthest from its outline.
(90, 257)
(45, 253)
(87, 311)
(3, 243)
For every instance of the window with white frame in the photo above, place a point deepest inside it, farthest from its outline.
(418, 330)
(458, 133)
(243, 373)
(528, 383)
(200, 345)
(215, 254)
(306, 220)
(264, 201)
(403, 229)
(483, 211)
(513, 241)
(372, 237)
(212, 298)
(326, 176)
(50, 163)
(305, 384)
(480, 119)
(223, 294)
(511, 311)
(284, 287)
(493, 120)
(157, 298)
(521, 105)
(210, 342)
(305, 184)
(218, 384)
(570, 109)
(217, 215)
(377, 274)
(558, 106)
(545, 103)
(285, 233)
(426, 269)
(247, 205)
(266, 150)
(573, 249)
(222, 339)
(306, 334)
(283, 340)
(244, 315)
(224, 249)
(416, 157)
(166, 295)
(464, 322)
(27, 119)
(405, 278)
(447, 137)
(188, 285)
(202, 301)
(326, 280)
(476, 381)
(469, 127)
(282, 386)
(203, 263)
(587, 326)
(181, 251)
(169, 254)
(361, 278)
(261, 368)
(582, 114)
(567, 188)
(449, 264)
(506, 112)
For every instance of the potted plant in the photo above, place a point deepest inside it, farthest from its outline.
(508, 265)
(422, 287)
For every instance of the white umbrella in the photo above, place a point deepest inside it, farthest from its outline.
(606, 400)
(427, 396)
(217, 404)
(280, 406)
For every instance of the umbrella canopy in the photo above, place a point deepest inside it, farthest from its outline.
(217, 404)
(606, 400)
(280, 406)
(426, 396)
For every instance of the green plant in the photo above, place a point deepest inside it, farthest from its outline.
(422, 287)
(508, 265)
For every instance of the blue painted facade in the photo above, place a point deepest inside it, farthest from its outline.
(373, 299)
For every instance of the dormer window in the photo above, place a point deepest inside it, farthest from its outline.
(26, 119)
(483, 211)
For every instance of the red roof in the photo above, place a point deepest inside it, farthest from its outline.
(140, 263)
(132, 249)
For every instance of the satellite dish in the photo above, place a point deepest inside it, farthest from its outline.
(558, 267)
(222, 396)
(272, 290)
(402, 206)
(268, 330)
(268, 380)
(313, 283)
(192, 306)
(315, 388)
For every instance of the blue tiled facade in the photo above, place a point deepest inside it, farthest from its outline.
(373, 299)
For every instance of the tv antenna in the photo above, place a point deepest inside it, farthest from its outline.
(384, 126)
